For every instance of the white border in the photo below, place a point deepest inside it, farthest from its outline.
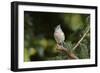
(22, 64)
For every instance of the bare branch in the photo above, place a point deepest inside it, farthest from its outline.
(80, 39)
(69, 53)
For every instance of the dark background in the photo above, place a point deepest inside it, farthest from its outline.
(39, 42)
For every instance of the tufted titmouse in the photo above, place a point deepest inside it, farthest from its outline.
(59, 35)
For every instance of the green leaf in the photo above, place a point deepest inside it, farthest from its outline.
(84, 51)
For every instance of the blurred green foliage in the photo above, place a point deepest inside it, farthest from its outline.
(39, 42)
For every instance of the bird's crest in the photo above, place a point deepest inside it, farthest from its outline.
(58, 27)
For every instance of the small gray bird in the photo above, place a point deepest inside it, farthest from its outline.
(59, 35)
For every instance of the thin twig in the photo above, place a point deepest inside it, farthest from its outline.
(80, 40)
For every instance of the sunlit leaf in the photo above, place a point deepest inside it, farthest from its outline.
(32, 51)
